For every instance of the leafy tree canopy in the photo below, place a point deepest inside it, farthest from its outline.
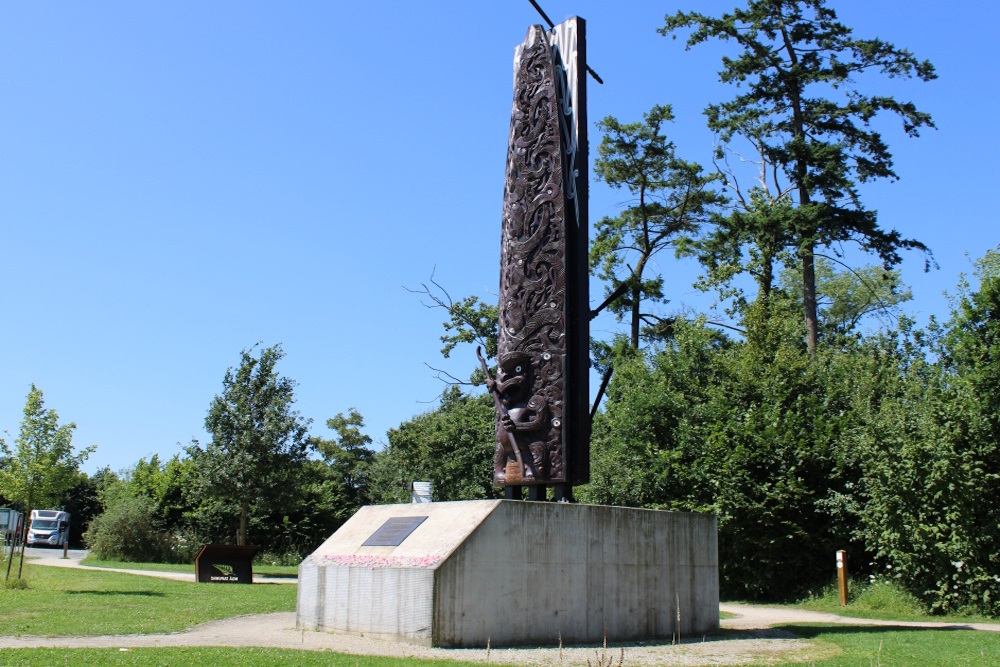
(450, 446)
(258, 440)
(42, 464)
(805, 111)
(673, 198)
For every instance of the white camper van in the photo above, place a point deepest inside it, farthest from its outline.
(48, 528)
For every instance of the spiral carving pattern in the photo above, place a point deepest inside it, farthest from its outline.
(533, 253)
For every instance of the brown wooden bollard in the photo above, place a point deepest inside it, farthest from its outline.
(842, 576)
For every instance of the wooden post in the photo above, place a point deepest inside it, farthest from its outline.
(842, 576)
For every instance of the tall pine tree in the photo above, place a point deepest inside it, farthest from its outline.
(801, 105)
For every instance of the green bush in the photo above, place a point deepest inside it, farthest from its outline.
(276, 558)
(870, 597)
(885, 595)
(181, 547)
(128, 531)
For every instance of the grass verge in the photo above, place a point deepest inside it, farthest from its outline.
(883, 600)
(903, 646)
(62, 601)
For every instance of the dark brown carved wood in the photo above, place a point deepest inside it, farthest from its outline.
(541, 382)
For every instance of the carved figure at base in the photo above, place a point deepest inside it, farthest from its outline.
(521, 454)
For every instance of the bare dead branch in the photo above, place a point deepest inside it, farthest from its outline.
(447, 378)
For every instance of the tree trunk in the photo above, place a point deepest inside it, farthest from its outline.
(241, 536)
(25, 526)
(766, 284)
(809, 300)
(636, 294)
(801, 169)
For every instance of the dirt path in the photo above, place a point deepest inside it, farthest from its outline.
(752, 639)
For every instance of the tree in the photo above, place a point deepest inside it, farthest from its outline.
(845, 298)
(42, 465)
(128, 530)
(803, 110)
(923, 454)
(258, 440)
(469, 321)
(348, 459)
(83, 503)
(673, 198)
(165, 483)
(451, 447)
(746, 429)
(131, 522)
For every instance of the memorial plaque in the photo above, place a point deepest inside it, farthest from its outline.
(394, 531)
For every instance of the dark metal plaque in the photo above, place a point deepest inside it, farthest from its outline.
(394, 531)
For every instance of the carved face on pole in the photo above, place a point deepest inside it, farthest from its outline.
(514, 378)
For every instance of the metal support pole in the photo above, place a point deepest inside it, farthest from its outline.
(536, 493)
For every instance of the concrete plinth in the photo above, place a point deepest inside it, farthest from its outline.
(514, 573)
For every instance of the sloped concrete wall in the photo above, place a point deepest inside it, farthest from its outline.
(391, 603)
(533, 573)
(514, 573)
(383, 591)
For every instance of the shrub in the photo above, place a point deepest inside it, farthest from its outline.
(276, 558)
(128, 531)
(886, 595)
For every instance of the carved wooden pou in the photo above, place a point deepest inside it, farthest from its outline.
(541, 387)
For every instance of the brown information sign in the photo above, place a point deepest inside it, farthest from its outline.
(225, 564)
(394, 531)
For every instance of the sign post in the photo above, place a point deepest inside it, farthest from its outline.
(842, 576)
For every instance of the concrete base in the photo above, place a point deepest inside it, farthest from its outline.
(512, 573)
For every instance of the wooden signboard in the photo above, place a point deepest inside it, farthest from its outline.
(225, 564)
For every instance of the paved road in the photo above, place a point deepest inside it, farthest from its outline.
(48, 552)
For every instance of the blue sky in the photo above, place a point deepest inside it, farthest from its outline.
(181, 180)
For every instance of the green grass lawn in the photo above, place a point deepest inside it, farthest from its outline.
(885, 646)
(882, 600)
(62, 601)
(279, 571)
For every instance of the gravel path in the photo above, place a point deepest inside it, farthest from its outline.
(278, 631)
(750, 638)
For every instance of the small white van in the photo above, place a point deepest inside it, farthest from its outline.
(48, 528)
